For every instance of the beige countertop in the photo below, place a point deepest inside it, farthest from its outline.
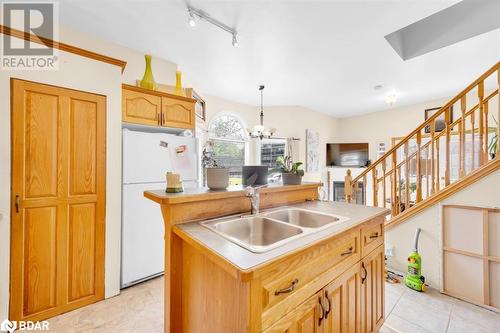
(204, 193)
(245, 260)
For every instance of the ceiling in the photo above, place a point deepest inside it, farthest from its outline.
(324, 55)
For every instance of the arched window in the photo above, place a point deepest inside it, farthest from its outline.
(227, 133)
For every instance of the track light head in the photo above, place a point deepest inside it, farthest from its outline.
(191, 19)
(235, 41)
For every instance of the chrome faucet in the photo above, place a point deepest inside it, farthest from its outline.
(253, 193)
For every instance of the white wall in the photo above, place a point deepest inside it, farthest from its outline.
(382, 126)
(483, 193)
(290, 121)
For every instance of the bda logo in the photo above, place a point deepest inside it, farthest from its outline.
(7, 325)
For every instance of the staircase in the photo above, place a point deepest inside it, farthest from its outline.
(447, 152)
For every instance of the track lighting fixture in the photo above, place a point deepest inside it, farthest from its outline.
(191, 19)
(194, 14)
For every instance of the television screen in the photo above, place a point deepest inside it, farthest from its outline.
(347, 154)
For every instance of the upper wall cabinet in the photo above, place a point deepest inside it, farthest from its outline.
(147, 107)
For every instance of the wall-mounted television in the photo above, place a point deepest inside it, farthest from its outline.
(347, 154)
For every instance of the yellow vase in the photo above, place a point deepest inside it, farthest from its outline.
(148, 81)
(178, 84)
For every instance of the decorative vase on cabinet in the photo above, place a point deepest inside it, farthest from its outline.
(178, 84)
(148, 81)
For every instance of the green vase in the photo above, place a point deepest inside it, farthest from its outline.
(148, 81)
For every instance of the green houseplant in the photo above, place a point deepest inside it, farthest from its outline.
(291, 172)
(216, 177)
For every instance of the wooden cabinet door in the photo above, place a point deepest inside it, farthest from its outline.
(140, 108)
(372, 291)
(304, 319)
(177, 113)
(58, 200)
(341, 301)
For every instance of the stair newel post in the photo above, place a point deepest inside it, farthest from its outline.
(364, 189)
(427, 167)
(485, 117)
(498, 113)
(407, 177)
(394, 205)
(356, 189)
(462, 127)
(433, 157)
(384, 195)
(447, 170)
(419, 166)
(375, 187)
(438, 173)
(347, 186)
(473, 139)
(480, 93)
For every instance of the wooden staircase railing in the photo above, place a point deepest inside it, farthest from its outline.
(433, 157)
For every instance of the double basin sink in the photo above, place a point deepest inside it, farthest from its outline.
(268, 230)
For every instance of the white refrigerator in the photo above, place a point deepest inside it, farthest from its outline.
(146, 159)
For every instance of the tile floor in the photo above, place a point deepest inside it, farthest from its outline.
(140, 309)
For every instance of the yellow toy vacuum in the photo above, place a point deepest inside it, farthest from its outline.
(414, 278)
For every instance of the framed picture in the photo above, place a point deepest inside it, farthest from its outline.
(312, 144)
(200, 106)
(439, 123)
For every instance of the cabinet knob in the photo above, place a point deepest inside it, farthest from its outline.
(374, 235)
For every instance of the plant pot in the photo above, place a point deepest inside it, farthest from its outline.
(217, 178)
(291, 179)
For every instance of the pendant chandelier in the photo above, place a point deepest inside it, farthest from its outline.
(259, 131)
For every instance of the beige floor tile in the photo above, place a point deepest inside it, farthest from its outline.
(403, 326)
(420, 313)
(476, 315)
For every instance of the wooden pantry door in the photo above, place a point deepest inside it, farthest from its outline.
(58, 199)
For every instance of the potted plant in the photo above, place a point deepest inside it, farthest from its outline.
(492, 147)
(217, 177)
(291, 173)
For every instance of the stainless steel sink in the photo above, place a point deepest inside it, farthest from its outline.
(266, 231)
(303, 218)
(256, 233)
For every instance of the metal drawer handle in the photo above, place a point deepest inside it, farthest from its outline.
(365, 275)
(374, 235)
(287, 289)
(329, 304)
(347, 252)
(17, 203)
(321, 311)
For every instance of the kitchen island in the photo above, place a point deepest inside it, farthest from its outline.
(329, 279)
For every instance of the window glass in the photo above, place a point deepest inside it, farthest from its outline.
(270, 150)
(229, 143)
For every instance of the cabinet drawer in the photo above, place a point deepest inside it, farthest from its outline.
(177, 113)
(372, 235)
(293, 280)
